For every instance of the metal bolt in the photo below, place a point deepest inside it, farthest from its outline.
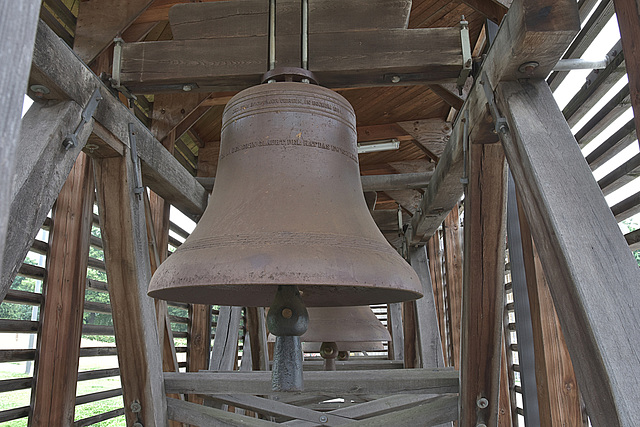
(323, 418)
(306, 81)
(187, 88)
(91, 147)
(481, 425)
(482, 402)
(287, 313)
(39, 90)
(395, 79)
(528, 67)
(140, 425)
(136, 407)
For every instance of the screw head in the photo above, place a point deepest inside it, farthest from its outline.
(324, 418)
(395, 79)
(528, 67)
(287, 313)
(187, 88)
(482, 402)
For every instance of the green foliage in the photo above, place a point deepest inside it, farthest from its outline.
(19, 311)
(636, 254)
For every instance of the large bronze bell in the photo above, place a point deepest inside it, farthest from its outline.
(351, 328)
(287, 208)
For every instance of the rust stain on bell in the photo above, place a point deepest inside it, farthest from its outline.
(287, 209)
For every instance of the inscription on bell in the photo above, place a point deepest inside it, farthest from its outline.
(262, 102)
(290, 142)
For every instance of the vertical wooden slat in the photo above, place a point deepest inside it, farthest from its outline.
(435, 268)
(596, 280)
(124, 235)
(257, 330)
(483, 295)
(628, 14)
(558, 394)
(504, 405)
(54, 394)
(199, 340)
(411, 359)
(18, 23)
(453, 265)
(394, 324)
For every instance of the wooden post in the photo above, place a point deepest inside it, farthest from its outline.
(435, 269)
(596, 280)
(225, 342)
(411, 356)
(558, 394)
(504, 406)
(18, 23)
(124, 235)
(394, 324)
(453, 266)
(483, 285)
(199, 340)
(429, 344)
(628, 14)
(56, 372)
(256, 327)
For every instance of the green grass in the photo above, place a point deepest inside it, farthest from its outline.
(19, 398)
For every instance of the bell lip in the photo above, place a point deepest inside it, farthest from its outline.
(262, 294)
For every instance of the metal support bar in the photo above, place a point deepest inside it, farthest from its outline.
(582, 64)
(305, 34)
(138, 188)
(114, 80)
(467, 62)
(501, 126)
(272, 34)
(71, 140)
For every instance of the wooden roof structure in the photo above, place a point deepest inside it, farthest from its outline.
(470, 104)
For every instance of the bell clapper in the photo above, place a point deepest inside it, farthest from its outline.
(329, 352)
(287, 320)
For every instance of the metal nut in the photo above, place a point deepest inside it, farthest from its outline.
(323, 418)
(136, 407)
(137, 424)
(481, 425)
(395, 79)
(482, 402)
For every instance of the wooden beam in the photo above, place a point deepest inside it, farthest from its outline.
(123, 228)
(435, 271)
(453, 266)
(199, 340)
(394, 324)
(99, 22)
(256, 327)
(558, 394)
(56, 371)
(452, 99)
(42, 165)
(483, 284)
(58, 68)
(17, 31)
(199, 415)
(367, 58)
(225, 344)
(628, 14)
(525, 36)
(340, 383)
(171, 109)
(410, 335)
(581, 247)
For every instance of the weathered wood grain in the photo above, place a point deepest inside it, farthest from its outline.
(99, 21)
(203, 416)
(225, 343)
(348, 59)
(429, 343)
(123, 228)
(56, 66)
(453, 266)
(42, 166)
(493, 10)
(582, 248)
(251, 18)
(339, 383)
(483, 284)
(558, 394)
(256, 328)
(18, 23)
(532, 31)
(56, 370)
(394, 324)
(199, 340)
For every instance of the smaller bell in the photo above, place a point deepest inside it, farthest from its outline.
(335, 331)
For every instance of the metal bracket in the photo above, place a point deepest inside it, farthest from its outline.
(71, 140)
(138, 188)
(465, 150)
(467, 62)
(117, 68)
(501, 126)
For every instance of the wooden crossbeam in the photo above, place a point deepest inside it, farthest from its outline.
(581, 248)
(100, 21)
(493, 10)
(58, 68)
(342, 383)
(200, 415)
(366, 58)
(523, 36)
